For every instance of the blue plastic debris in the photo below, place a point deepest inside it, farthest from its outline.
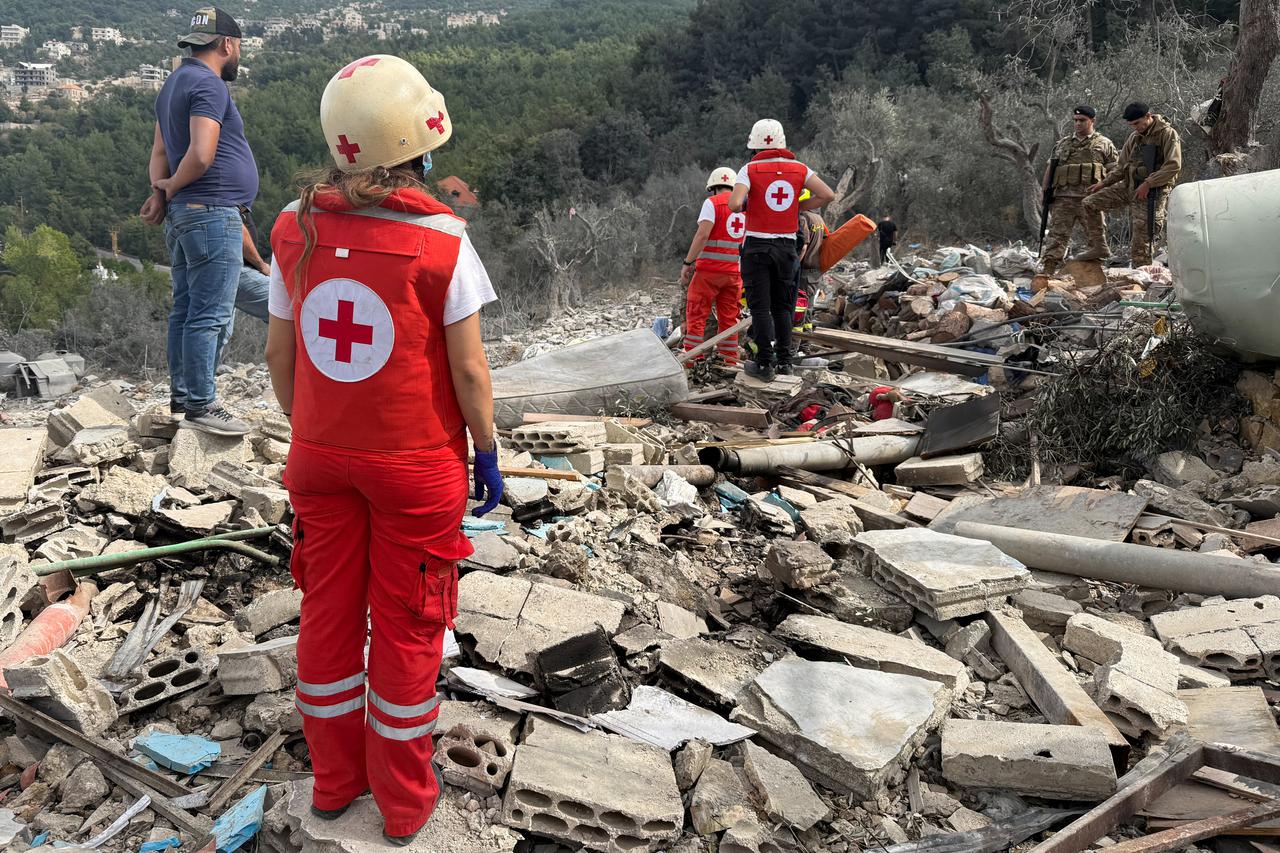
(784, 505)
(540, 531)
(39, 840)
(162, 844)
(731, 497)
(240, 822)
(556, 463)
(184, 753)
(473, 527)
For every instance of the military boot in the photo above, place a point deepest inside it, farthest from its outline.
(1094, 254)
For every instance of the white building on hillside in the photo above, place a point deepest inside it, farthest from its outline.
(275, 27)
(106, 34)
(35, 75)
(152, 75)
(12, 35)
(56, 50)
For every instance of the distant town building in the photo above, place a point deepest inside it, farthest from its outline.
(56, 50)
(152, 75)
(456, 193)
(252, 44)
(77, 33)
(471, 19)
(35, 75)
(352, 20)
(12, 35)
(106, 34)
(73, 92)
(275, 27)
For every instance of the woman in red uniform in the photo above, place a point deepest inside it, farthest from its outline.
(375, 354)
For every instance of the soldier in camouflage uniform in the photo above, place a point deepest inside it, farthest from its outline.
(1083, 159)
(1129, 183)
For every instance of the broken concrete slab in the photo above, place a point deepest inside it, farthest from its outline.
(1046, 611)
(510, 619)
(716, 670)
(125, 491)
(719, 799)
(832, 524)
(872, 649)
(1234, 653)
(945, 576)
(21, 453)
(55, 685)
(272, 711)
(850, 729)
(72, 544)
(33, 522)
(479, 717)
(99, 444)
(1223, 616)
(1070, 510)
(796, 565)
(1054, 762)
(603, 791)
(63, 424)
(1176, 469)
(493, 553)
(1180, 504)
(270, 610)
(690, 761)
(939, 471)
(662, 719)
(260, 668)
(193, 453)
(858, 600)
(677, 622)
(786, 795)
(1236, 715)
(203, 518)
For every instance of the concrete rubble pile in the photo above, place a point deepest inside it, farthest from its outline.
(728, 624)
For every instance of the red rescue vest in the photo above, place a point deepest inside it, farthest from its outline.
(372, 370)
(722, 250)
(773, 197)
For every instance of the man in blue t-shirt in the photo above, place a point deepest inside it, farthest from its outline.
(202, 175)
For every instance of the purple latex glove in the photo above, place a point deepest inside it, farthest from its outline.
(488, 481)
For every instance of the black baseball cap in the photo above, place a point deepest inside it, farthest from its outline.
(1135, 111)
(1086, 111)
(208, 24)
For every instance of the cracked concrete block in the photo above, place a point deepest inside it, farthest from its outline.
(193, 453)
(33, 522)
(1054, 762)
(1223, 616)
(941, 471)
(17, 580)
(510, 620)
(480, 717)
(716, 670)
(1137, 681)
(832, 524)
(271, 503)
(786, 795)
(166, 678)
(493, 553)
(689, 762)
(124, 491)
(851, 730)
(156, 424)
(21, 455)
(719, 799)
(867, 647)
(797, 565)
(55, 685)
(99, 444)
(63, 424)
(1046, 611)
(604, 792)
(749, 836)
(203, 518)
(582, 674)
(270, 610)
(474, 760)
(1234, 653)
(943, 575)
(1267, 638)
(272, 711)
(85, 787)
(858, 600)
(260, 668)
(72, 543)
(1176, 469)
(1135, 705)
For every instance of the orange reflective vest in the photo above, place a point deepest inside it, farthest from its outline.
(372, 370)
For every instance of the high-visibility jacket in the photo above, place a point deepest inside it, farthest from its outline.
(372, 368)
(720, 255)
(773, 196)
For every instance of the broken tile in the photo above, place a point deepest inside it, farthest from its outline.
(867, 647)
(662, 719)
(786, 795)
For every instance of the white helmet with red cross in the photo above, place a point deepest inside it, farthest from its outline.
(766, 133)
(722, 177)
(381, 111)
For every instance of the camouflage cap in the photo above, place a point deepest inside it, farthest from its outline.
(207, 25)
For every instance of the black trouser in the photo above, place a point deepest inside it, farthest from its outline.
(884, 251)
(769, 279)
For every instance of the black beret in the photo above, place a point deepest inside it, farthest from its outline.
(1135, 111)
(1086, 110)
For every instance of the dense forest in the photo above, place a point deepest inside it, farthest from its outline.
(587, 127)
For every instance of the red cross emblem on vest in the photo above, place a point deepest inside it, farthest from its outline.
(736, 225)
(347, 330)
(437, 123)
(359, 63)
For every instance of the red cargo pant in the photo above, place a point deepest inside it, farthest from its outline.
(376, 544)
(724, 292)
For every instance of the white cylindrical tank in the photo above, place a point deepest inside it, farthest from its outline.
(1224, 249)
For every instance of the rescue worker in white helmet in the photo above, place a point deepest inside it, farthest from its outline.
(711, 268)
(768, 190)
(375, 354)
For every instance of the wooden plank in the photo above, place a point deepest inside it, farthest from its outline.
(1054, 690)
(1188, 834)
(735, 415)
(538, 473)
(1246, 762)
(871, 516)
(711, 394)
(548, 418)
(711, 343)
(907, 352)
(261, 756)
(195, 827)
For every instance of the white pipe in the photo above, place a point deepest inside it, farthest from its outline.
(815, 456)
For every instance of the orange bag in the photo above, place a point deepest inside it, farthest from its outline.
(844, 240)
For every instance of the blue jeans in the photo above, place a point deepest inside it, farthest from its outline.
(205, 252)
(252, 291)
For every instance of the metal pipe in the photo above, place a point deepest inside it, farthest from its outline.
(651, 475)
(1122, 562)
(813, 456)
(222, 542)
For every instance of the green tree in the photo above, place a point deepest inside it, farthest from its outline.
(43, 279)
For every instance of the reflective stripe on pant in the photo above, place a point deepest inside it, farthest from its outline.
(723, 291)
(376, 544)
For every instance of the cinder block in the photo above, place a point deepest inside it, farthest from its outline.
(1055, 762)
(56, 686)
(37, 521)
(260, 668)
(86, 412)
(16, 582)
(474, 760)
(168, 677)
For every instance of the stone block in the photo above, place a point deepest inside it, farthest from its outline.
(124, 491)
(787, 797)
(270, 610)
(1054, 762)
(260, 668)
(271, 503)
(63, 424)
(203, 518)
(832, 524)
(21, 454)
(1046, 611)
(943, 575)
(849, 729)
(858, 600)
(510, 619)
(520, 492)
(474, 760)
(872, 649)
(601, 791)
(166, 678)
(719, 799)
(941, 471)
(718, 671)
(797, 565)
(98, 445)
(55, 685)
(194, 452)
(622, 454)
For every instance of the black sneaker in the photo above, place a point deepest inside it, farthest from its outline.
(216, 420)
(765, 372)
(786, 368)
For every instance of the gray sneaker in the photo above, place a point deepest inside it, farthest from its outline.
(217, 420)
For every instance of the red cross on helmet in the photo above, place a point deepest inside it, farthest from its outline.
(766, 133)
(381, 111)
(722, 177)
